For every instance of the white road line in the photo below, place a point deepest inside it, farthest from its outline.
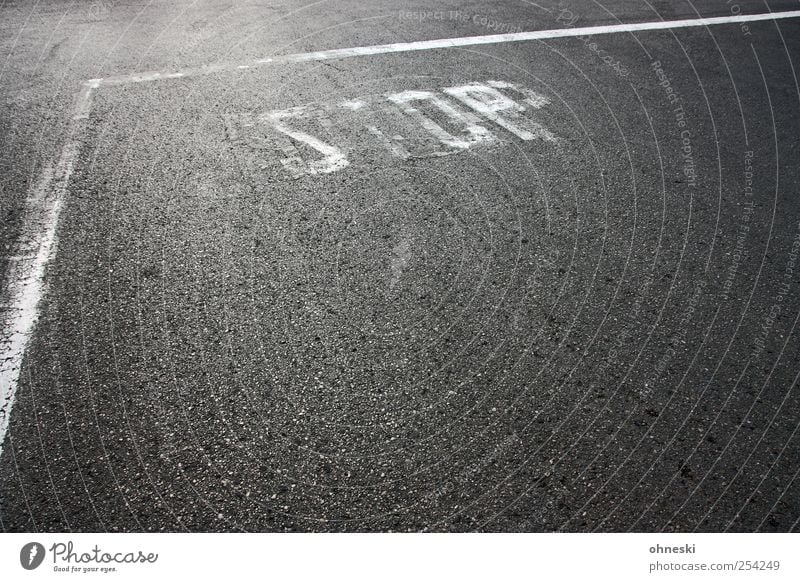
(35, 248)
(423, 45)
(26, 273)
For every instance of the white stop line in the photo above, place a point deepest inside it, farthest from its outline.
(38, 241)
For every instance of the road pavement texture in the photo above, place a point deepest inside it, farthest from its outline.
(532, 284)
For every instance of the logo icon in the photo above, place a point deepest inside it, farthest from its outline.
(31, 555)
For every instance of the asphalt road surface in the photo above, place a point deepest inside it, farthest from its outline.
(532, 284)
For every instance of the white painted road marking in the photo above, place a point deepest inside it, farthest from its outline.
(333, 159)
(36, 247)
(443, 43)
(473, 133)
(501, 109)
(407, 112)
(26, 274)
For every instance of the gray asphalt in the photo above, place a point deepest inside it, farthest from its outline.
(591, 333)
